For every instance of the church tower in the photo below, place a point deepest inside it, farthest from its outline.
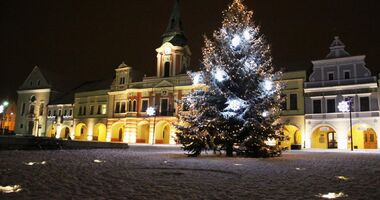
(173, 56)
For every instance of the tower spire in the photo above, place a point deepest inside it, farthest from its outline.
(174, 32)
(337, 49)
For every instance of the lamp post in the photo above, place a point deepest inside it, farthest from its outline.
(151, 111)
(346, 106)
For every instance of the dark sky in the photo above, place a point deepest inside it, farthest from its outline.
(87, 39)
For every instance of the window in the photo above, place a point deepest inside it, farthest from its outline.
(330, 76)
(41, 109)
(134, 104)
(23, 109)
(55, 113)
(84, 110)
(38, 82)
(317, 106)
(364, 103)
(144, 105)
(104, 109)
(32, 99)
(31, 83)
(59, 112)
(49, 112)
(164, 106)
(347, 75)
(65, 112)
(166, 69)
(122, 107)
(122, 80)
(31, 109)
(71, 112)
(99, 109)
(293, 102)
(91, 110)
(129, 106)
(21, 125)
(330, 105)
(117, 107)
(80, 110)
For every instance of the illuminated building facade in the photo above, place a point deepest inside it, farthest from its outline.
(336, 78)
(115, 110)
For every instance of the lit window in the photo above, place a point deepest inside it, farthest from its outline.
(104, 109)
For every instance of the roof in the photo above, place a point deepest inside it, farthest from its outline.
(174, 32)
(337, 49)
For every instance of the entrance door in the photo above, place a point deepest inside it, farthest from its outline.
(370, 139)
(120, 134)
(67, 132)
(331, 138)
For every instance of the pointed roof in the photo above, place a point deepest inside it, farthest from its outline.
(35, 80)
(337, 49)
(174, 32)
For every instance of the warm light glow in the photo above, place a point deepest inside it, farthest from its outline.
(151, 111)
(35, 163)
(343, 178)
(344, 106)
(10, 189)
(1, 108)
(236, 41)
(99, 161)
(271, 142)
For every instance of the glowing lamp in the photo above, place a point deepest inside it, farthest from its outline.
(151, 111)
(344, 106)
(268, 85)
(168, 50)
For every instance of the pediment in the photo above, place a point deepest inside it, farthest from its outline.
(164, 83)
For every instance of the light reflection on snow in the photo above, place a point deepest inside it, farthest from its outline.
(10, 189)
(343, 178)
(99, 161)
(35, 163)
(237, 164)
(300, 169)
(332, 195)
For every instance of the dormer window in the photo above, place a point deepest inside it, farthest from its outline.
(122, 80)
(31, 83)
(330, 76)
(38, 82)
(347, 75)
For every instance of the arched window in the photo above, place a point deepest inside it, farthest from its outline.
(32, 99)
(130, 109)
(167, 69)
(134, 105)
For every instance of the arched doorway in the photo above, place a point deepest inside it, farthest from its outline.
(81, 132)
(51, 131)
(142, 135)
(162, 133)
(324, 137)
(65, 133)
(292, 136)
(364, 137)
(118, 130)
(100, 132)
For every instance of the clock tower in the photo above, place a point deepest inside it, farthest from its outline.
(173, 56)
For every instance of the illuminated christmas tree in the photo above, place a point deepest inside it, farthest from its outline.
(242, 102)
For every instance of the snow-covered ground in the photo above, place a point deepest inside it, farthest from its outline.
(146, 172)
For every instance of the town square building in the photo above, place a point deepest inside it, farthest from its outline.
(116, 110)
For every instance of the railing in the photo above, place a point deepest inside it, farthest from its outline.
(312, 84)
(342, 115)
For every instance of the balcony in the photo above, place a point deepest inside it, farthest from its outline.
(313, 84)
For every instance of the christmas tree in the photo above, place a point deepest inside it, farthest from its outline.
(242, 101)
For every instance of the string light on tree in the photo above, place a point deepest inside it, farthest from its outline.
(236, 41)
(197, 77)
(220, 75)
(247, 34)
(268, 84)
(235, 104)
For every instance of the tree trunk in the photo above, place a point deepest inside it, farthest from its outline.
(229, 149)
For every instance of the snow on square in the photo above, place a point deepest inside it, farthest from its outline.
(151, 172)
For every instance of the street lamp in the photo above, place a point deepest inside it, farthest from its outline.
(151, 111)
(3, 110)
(346, 106)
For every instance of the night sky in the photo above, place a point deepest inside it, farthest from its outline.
(87, 39)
